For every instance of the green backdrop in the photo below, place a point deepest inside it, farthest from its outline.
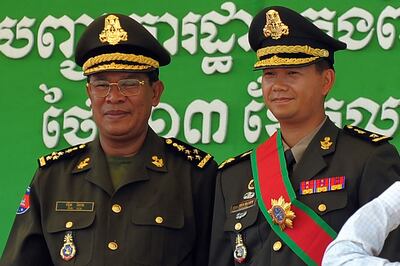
(212, 97)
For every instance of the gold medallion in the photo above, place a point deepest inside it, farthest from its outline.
(281, 213)
(68, 250)
(274, 26)
(113, 33)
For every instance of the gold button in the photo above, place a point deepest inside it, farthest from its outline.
(113, 245)
(238, 226)
(69, 224)
(159, 220)
(116, 208)
(277, 246)
(322, 207)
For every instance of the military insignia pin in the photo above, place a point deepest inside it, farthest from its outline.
(250, 186)
(113, 33)
(157, 161)
(281, 213)
(68, 250)
(326, 143)
(274, 26)
(83, 163)
(240, 252)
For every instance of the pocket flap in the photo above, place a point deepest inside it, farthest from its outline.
(245, 221)
(63, 221)
(170, 218)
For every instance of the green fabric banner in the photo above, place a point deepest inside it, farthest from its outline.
(212, 96)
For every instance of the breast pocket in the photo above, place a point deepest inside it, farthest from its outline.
(159, 236)
(76, 231)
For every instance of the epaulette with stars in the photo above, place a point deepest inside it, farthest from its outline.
(366, 135)
(231, 161)
(192, 154)
(61, 154)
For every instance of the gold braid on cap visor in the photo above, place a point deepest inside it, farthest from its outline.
(146, 62)
(292, 49)
(288, 49)
(278, 61)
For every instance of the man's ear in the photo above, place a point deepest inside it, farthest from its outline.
(158, 88)
(329, 77)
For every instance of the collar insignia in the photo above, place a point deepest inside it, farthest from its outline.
(113, 33)
(274, 26)
(281, 213)
(83, 163)
(326, 143)
(159, 162)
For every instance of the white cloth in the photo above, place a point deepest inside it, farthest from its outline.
(362, 237)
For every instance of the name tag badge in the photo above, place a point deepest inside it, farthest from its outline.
(74, 206)
(243, 205)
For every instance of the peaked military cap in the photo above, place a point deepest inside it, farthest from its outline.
(115, 42)
(282, 37)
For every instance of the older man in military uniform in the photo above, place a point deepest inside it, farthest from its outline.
(129, 197)
(283, 202)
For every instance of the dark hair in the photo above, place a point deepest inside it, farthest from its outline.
(153, 75)
(322, 65)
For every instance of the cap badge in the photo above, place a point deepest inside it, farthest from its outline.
(274, 27)
(68, 250)
(326, 143)
(281, 213)
(113, 33)
(157, 161)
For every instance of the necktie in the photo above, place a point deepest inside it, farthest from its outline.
(290, 161)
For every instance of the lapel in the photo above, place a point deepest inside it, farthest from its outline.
(94, 166)
(150, 158)
(313, 161)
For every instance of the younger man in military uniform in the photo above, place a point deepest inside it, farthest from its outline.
(129, 197)
(283, 208)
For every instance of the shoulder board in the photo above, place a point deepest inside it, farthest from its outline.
(46, 160)
(234, 160)
(366, 135)
(197, 157)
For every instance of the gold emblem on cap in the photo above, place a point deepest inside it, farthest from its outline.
(326, 143)
(274, 26)
(157, 161)
(281, 213)
(113, 33)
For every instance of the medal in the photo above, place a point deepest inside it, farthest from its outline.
(68, 250)
(240, 251)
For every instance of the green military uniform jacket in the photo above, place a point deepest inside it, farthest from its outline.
(160, 215)
(369, 168)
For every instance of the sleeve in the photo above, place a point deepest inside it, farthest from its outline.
(26, 244)
(203, 202)
(362, 237)
(380, 171)
(221, 252)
